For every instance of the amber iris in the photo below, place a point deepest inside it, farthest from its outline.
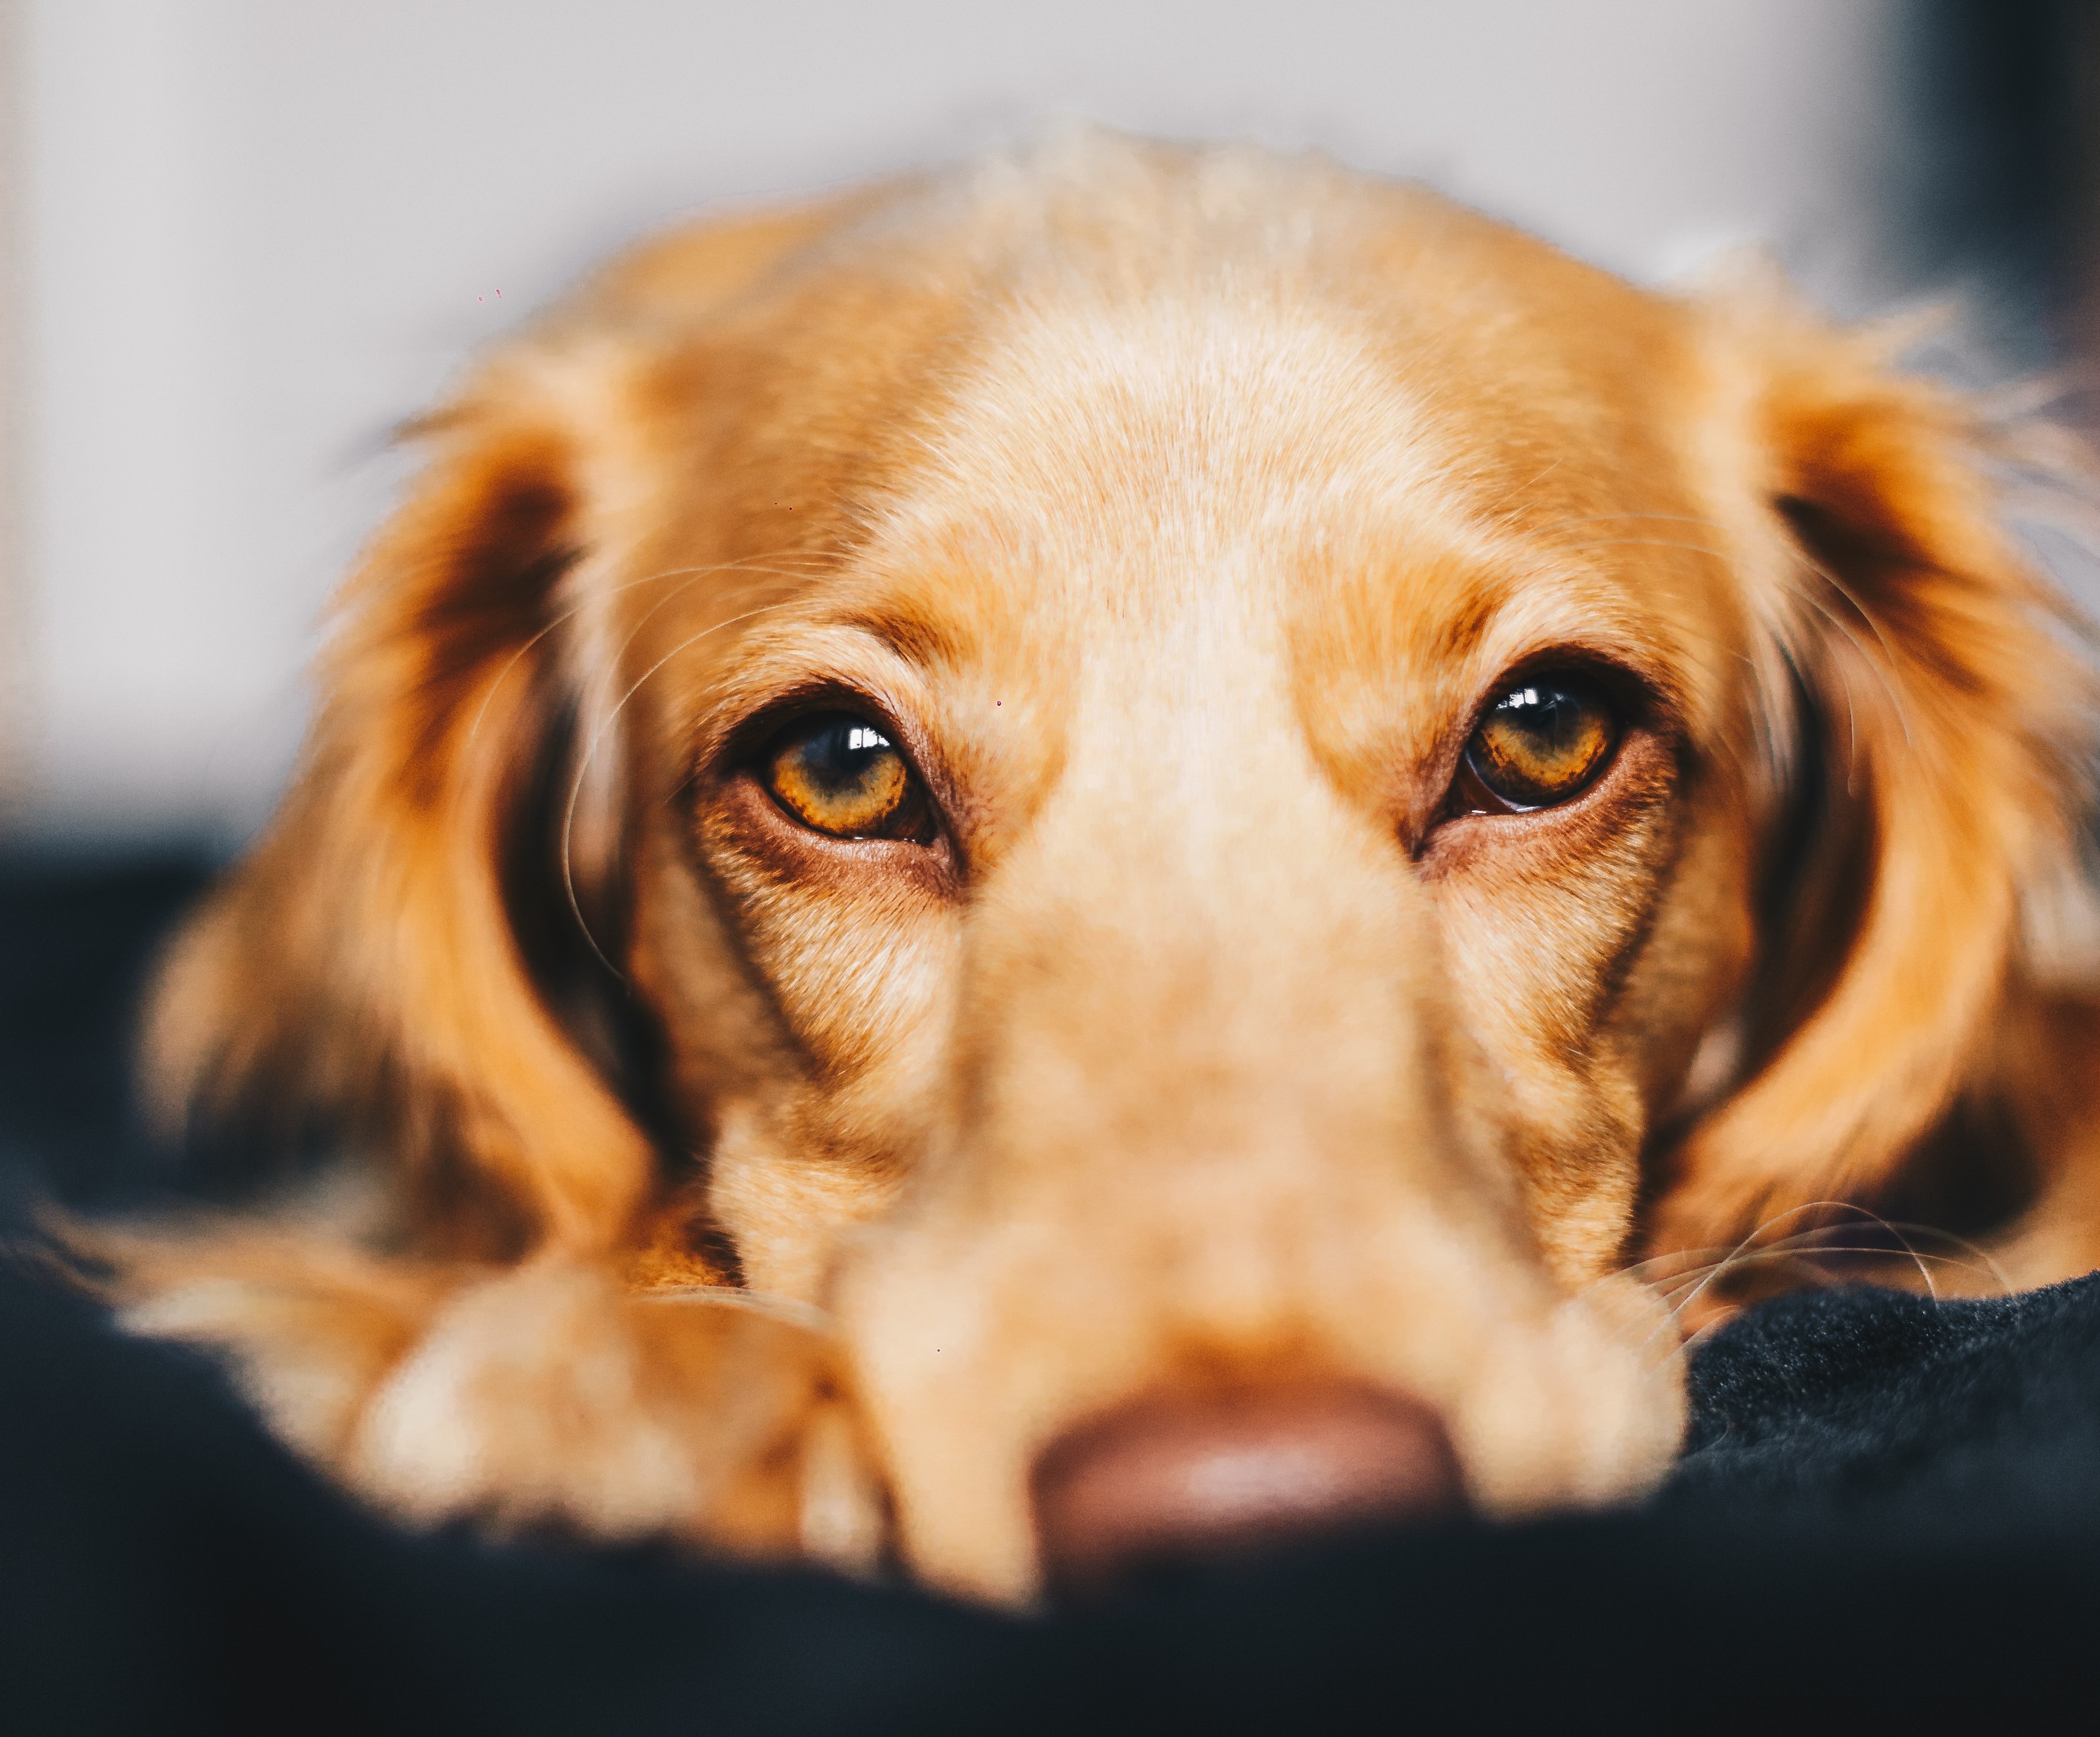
(1544, 741)
(841, 775)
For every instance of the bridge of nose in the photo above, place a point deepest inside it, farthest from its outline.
(1202, 946)
(1200, 1085)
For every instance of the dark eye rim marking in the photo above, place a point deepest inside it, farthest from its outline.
(1473, 792)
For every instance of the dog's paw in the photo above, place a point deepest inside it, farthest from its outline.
(544, 1396)
(549, 1396)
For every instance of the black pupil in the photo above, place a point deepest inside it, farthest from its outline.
(841, 753)
(1551, 716)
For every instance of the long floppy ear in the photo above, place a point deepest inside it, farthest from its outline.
(383, 963)
(1939, 717)
(363, 964)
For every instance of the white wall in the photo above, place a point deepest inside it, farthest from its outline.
(257, 233)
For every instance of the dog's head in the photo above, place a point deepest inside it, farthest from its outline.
(1176, 784)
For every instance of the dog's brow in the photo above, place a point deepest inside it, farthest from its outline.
(916, 639)
(1462, 632)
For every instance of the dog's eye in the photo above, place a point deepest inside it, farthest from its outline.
(1543, 741)
(841, 775)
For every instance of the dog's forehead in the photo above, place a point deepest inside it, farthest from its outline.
(1234, 469)
(1155, 437)
(1346, 444)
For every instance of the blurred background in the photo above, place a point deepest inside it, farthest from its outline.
(239, 239)
(245, 238)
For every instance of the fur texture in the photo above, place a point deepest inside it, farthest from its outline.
(1177, 513)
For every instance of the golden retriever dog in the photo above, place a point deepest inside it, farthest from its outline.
(1068, 863)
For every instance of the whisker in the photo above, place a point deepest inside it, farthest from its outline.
(1759, 1256)
(1885, 668)
(1888, 668)
(735, 1296)
(583, 765)
(688, 573)
(1559, 524)
(1637, 1269)
(1652, 543)
(1721, 647)
(1902, 1231)
(1748, 1241)
(672, 596)
(1682, 1290)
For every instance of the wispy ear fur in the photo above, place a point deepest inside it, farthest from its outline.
(362, 964)
(1938, 747)
(365, 968)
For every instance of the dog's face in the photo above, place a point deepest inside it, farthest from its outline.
(1186, 760)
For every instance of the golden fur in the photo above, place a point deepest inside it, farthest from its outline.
(1179, 510)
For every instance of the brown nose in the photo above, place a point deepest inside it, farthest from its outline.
(1179, 1476)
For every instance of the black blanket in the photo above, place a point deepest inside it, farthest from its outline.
(1888, 1514)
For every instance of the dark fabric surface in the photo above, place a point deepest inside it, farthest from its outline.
(1888, 1516)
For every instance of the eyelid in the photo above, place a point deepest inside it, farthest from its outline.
(736, 739)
